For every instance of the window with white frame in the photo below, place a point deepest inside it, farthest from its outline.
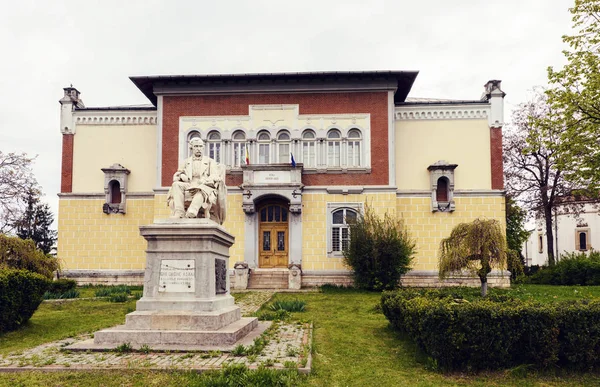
(333, 148)
(354, 148)
(214, 146)
(283, 147)
(339, 218)
(238, 139)
(264, 147)
(340, 230)
(309, 153)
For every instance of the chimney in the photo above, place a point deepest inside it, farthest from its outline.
(69, 102)
(495, 96)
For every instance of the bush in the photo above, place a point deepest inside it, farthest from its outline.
(379, 252)
(62, 285)
(289, 305)
(16, 253)
(21, 293)
(572, 269)
(73, 293)
(492, 334)
(108, 291)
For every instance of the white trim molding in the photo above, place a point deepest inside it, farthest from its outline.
(123, 117)
(443, 112)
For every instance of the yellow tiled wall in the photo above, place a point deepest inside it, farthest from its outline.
(314, 225)
(429, 228)
(91, 239)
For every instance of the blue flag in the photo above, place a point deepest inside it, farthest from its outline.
(293, 161)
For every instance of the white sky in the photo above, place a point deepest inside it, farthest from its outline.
(96, 45)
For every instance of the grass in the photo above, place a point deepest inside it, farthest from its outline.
(60, 320)
(353, 346)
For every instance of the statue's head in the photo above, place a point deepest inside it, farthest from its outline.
(197, 146)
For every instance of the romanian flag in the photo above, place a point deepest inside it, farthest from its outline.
(247, 157)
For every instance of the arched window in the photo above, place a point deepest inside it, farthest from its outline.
(115, 192)
(582, 241)
(333, 148)
(214, 146)
(264, 147)
(283, 147)
(441, 192)
(191, 135)
(308, 149)
(540, 243)
(354, 140)
(239, 149)
(340, 231)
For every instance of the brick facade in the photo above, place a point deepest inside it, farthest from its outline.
(66, 182)
(375, 103)
(496, 158)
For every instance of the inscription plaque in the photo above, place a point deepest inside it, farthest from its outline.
(177, 276)
(220, 276)
(272, 177)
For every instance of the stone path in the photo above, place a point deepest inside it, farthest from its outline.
(287, 345)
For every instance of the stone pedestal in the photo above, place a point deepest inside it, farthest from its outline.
(186, 302)
(241, 275)
(295, 276)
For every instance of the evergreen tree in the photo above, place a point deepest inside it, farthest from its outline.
(35, 222)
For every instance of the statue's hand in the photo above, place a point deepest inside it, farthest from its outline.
(183, 177)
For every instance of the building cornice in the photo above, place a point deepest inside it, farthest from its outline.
(443, 112)
(457, 193)
(114, 117)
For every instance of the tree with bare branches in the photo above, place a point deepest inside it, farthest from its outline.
(533, 174)
(16, 179)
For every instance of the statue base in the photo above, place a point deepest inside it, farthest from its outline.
(186, 304)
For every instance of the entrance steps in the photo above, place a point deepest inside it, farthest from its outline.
(268, 279)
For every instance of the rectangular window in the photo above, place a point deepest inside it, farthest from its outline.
(239, 154)
(284, 154)
(214, 151)
(333, 153)
(263, 153)
(308, 154)
(354, 154)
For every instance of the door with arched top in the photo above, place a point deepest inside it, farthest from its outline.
(273, 241)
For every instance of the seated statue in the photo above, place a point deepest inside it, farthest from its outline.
(198, 188)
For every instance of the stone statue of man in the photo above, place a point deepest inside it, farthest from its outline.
(201, 181)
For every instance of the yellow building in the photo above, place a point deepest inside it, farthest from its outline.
(355, 137)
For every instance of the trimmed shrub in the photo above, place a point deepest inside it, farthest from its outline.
(21, 293)
(493, 334)
(572, 269)
(379, 252)
(62, 285)
(16, 253)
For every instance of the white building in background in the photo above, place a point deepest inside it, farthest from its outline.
(572, 233)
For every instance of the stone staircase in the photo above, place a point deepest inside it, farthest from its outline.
(268, 279)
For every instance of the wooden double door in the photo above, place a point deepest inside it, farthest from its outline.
(273, 243)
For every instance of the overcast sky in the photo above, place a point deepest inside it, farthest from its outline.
(457, 46)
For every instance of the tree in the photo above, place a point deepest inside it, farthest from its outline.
(575, 95)
(516, 235)
(478, 246)
(533, 174)
(16, 178)
(35, 223)
(379, 252)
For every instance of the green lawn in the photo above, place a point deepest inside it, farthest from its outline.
(353, 345)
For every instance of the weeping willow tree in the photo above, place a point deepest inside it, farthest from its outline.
(478, 246)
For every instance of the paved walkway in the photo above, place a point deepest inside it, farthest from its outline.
(288, 345)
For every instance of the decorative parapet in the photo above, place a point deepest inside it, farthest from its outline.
(115, 118)
(443, 112)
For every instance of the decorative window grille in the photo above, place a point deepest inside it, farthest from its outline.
(340, 231)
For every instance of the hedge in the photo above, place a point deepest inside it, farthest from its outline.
(572, 269)
(21, 293)
(62, 285)
(496, 333)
